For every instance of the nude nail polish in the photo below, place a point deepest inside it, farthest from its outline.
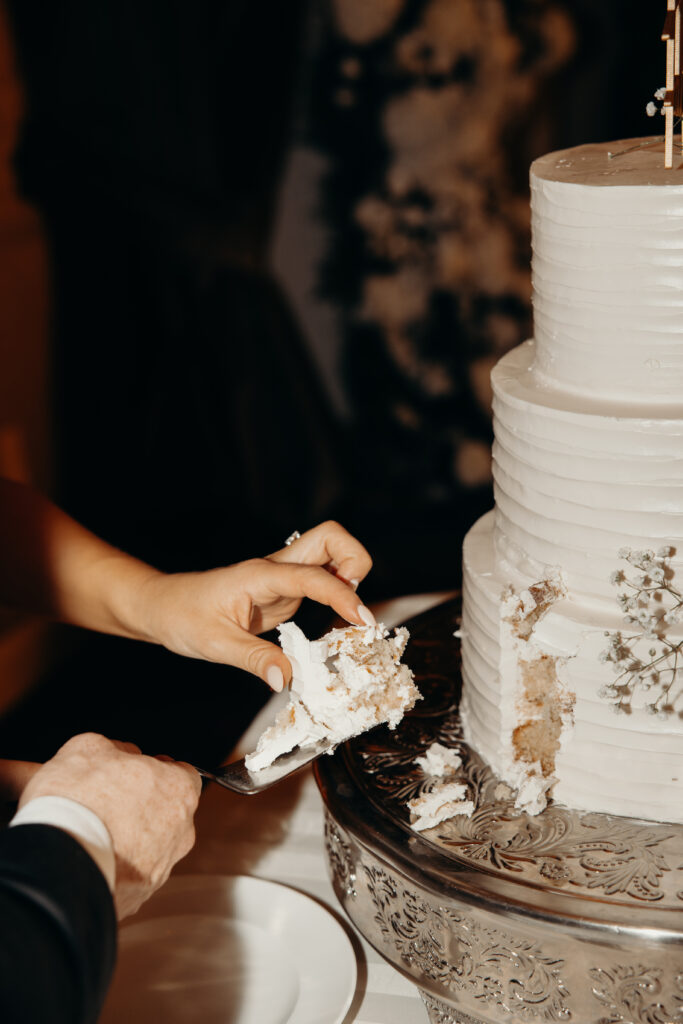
(366, 615)
(274, 678)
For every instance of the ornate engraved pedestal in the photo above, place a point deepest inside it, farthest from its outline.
(500, 918)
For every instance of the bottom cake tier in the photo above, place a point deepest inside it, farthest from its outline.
(501, 916)
(542, 695)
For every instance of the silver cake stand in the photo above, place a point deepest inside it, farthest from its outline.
(500, 917)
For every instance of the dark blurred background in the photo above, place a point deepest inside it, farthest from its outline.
(256, 263)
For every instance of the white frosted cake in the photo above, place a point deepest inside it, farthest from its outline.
(571, 641)
(343, 684)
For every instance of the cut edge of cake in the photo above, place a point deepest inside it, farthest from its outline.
(535, 703)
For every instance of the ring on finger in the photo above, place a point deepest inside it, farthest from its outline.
(292, 537)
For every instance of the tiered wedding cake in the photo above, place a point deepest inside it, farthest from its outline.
(572, 649)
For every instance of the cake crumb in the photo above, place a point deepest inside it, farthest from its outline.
(503, 792)
(446, 800)
(439, 760)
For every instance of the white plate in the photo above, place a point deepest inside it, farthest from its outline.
(231, 950)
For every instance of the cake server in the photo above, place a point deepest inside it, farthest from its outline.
(240, 779)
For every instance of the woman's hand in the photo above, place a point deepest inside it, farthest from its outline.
(214, 615)
(49, 563)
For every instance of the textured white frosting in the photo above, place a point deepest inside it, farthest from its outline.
(588, 459)
(607, 272)
(439, 760)
(573, 486)
(620, 764)
(446, 800)
(343, 684)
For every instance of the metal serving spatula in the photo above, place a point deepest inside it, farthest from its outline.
(239, 779)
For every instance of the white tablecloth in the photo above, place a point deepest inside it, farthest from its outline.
(278, 835)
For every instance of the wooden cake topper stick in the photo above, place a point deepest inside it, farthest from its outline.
(673, 101)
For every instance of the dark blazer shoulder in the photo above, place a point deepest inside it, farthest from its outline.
(57, 929)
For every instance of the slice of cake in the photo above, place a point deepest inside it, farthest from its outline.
(343, 684)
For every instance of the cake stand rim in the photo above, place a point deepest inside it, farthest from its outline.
(432, 871)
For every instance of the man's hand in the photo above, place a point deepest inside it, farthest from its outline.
(214, 615)
(146, 803)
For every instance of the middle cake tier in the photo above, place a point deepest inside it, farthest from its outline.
(576, 481)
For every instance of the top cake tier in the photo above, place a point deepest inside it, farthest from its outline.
(607, 268)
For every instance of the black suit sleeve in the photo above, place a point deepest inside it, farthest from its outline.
(57, 929)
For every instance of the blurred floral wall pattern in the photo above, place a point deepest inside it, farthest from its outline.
(431, 111)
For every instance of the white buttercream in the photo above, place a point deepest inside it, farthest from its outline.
(607, 272)
(343, 684)
(439, 760)
(588, 459)
(445, 801)
(620, 764)
(572, 487)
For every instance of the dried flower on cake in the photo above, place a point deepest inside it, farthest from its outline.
(645, 658)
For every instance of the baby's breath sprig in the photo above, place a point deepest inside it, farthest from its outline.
(645, 658)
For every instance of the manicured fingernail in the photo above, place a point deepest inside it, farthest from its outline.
(355, 584)
(366, 615)
(275, 678)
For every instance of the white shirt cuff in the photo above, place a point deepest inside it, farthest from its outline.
(79, 821)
